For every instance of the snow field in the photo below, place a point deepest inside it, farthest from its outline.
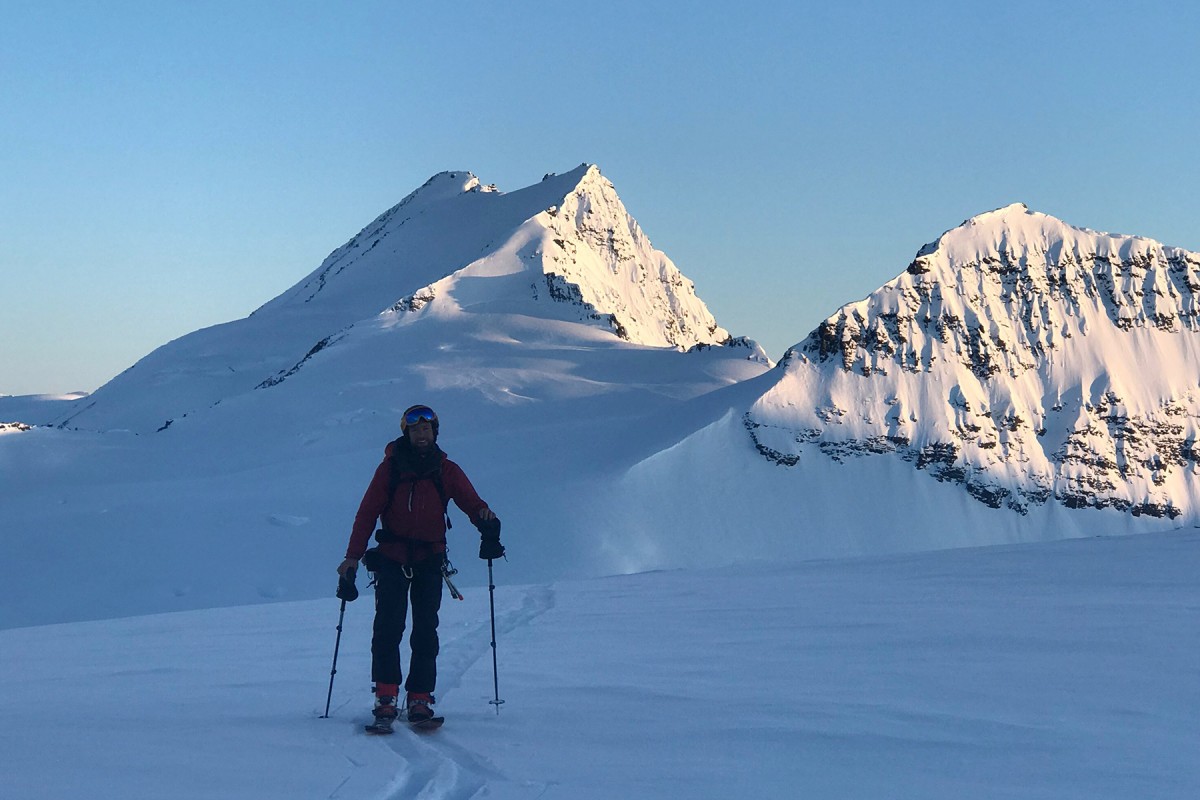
(1054, 670)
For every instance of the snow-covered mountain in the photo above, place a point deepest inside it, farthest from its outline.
(1023, 380)
(568, 240)
(1028, 361)
(558, 346)
(564, 250)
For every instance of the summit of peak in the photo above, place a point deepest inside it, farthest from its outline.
(1015, 232)
(575, 178)
(443, 186)
(988, 228)
(590, 171)
(1011, 210)
(568, 238)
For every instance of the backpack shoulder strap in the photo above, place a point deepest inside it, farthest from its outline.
(393, 478)
(435, 477)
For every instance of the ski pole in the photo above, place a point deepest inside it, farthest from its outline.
(495, 672)
(346, 591)
(337, 643)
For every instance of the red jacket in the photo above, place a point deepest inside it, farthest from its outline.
(416, 514)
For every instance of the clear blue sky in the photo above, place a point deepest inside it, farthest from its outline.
(165, 166)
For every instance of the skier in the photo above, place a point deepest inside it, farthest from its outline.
(409, 494)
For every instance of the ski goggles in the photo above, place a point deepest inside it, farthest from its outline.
(418, 414)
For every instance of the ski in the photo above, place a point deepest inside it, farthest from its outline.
(384, 727)
(431, 724)
(380, 727)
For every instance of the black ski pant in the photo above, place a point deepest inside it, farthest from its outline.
(395, 585)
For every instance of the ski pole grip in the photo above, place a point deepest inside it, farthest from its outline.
(346, 590)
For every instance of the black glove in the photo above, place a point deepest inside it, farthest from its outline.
(489, 539)
(346, 589)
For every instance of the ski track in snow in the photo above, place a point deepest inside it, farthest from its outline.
(435, 767)
(537, 600)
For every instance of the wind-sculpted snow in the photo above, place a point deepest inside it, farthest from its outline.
(1018, 356)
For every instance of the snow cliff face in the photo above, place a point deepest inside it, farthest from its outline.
(593, 251)
(1021, 357)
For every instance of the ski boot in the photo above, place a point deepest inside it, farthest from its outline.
(420, 706)
(385, 714)
(420, 711)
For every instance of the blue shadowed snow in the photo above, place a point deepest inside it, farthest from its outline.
(1059, 670)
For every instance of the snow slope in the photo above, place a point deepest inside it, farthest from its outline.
(1061, 670)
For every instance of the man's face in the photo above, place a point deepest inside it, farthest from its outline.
(420, 434)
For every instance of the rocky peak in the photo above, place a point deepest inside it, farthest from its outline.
(1020, 356)
(1006, 289)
